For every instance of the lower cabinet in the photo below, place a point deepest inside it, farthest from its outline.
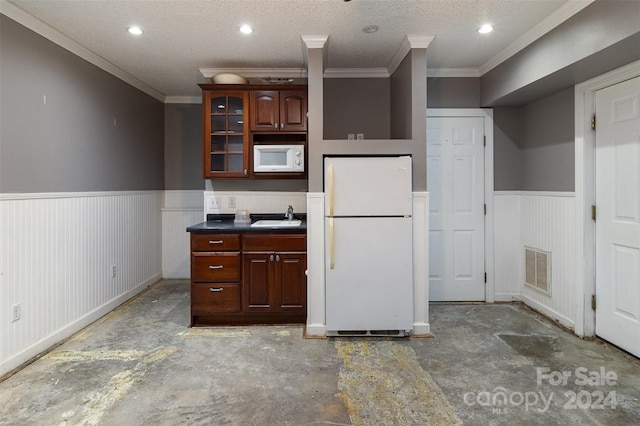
(262, 283)
(273, 282)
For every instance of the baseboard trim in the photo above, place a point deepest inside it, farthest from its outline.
(314, 331)
(421, 329)
(508, 297)
(547, 311)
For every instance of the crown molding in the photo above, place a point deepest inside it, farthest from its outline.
(408, 43)
(55, 36)
(257, 72)
(356, 73)
(315, 41)
(453, 72)
(565, 12)
(183, 100)
(419, 42)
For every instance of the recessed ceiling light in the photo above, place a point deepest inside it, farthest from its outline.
(370, 29)
(486, 28)
(135, 30)
(246, 29)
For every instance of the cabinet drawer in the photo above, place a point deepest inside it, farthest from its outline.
(214, 298)
(275, 242)
(215, 267)
(215, 242)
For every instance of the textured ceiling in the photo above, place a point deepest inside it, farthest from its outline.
(181, 36)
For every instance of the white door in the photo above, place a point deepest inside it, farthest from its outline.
(618, 215)
(455, 181)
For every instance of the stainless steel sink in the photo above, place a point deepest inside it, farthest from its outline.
(281, 223)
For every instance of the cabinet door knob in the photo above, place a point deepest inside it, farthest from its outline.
(281, 126)
(275, 126)
(271, 258)
(277, 258)
(216, 266)
(216, 290)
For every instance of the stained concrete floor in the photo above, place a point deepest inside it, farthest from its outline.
(487, 365)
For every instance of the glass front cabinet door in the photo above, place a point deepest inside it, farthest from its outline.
(226, 134)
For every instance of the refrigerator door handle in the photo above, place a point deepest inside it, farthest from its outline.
(332, 246)
(331, 190)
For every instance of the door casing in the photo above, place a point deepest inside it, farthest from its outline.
(487, 115)
(585, 145)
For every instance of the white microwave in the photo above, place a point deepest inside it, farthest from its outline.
(278, 158)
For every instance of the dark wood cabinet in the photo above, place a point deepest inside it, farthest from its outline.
(215, 275)
(273, 268)
(251, 278)
(225, 133)
(278, 110)
(235, 116)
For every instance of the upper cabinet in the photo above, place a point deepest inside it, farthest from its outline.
(279, 110)
(237, 116)
(226, 133)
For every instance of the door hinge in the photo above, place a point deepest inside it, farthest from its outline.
(593, 213)
(485, 141)
(485, 277)
(593, 122)
(485, 209)
(593, 302)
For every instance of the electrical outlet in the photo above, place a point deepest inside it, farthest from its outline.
(231, 202)
(360, 136)
(15, 312)
(350, 136)
(214, 203)
(113, 271)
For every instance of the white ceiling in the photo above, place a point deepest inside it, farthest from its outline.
(182, 36)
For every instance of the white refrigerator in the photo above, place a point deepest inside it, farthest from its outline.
(368, 245)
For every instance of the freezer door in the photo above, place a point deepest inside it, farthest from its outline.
(367, 186)
(369, 274)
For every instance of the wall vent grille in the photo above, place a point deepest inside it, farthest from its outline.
(537, 269)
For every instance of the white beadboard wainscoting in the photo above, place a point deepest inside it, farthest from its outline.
(543, 220)
(507, 240)
(180, 210)
(57, 258)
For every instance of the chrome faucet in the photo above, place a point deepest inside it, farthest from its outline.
(289, 213)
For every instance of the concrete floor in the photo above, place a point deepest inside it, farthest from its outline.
(487, 365)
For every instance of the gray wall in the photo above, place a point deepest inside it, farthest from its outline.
(71, 143)
(183, 146)
(547, 146)
(507, 157)
(603, 36)
(534, 145)
(401, 107)
(453, 92)
(356, 105)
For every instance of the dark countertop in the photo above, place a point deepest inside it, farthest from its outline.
(224, 223)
